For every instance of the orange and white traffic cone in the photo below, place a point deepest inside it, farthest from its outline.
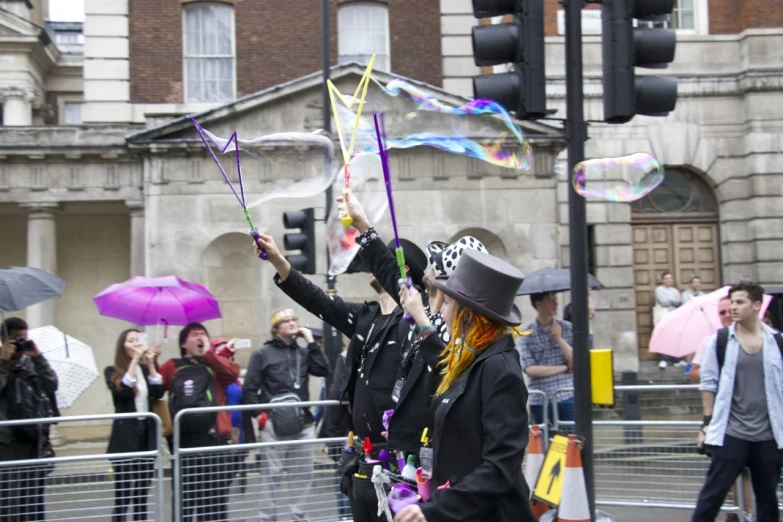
(535, 459)
(573, 503)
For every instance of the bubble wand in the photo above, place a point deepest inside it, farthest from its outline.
(241, 199)
(347, 221)
(404, 279)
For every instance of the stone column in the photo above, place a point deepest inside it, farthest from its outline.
(138, 237)
(42, 253)
(17, 107)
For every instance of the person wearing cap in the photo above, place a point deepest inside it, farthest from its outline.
(371, 361)
(278, 372)
(417, 378)
(479, 409)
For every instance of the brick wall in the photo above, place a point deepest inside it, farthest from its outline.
(277, 41)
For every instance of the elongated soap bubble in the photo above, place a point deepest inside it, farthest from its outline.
(368, 187)
(622, 179)
(280, 165)
(479, 129)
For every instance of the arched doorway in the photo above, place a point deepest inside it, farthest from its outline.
(675, 229)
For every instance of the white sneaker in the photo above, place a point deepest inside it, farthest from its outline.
(663, 365)
(681, 364)
(748, 517)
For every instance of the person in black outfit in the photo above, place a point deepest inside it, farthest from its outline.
(134, 383)
(479, 410)
(23, 367)
(373, 357)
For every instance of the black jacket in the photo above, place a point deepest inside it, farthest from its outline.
(272, 372)
(337, 419)
(480, 437)
(412, 411)
(129, 435)
(354, 320)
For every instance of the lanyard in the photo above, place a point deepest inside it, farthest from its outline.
(365, 351)
(295, 377)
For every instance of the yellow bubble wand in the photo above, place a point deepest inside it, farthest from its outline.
(347, 221)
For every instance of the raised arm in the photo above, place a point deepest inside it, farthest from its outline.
(332, 309)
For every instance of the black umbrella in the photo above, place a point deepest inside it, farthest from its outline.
(551, 280)
(23, 286)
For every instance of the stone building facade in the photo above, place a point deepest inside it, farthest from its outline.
(720, 210)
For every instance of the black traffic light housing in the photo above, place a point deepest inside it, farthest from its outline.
(625, 47)
(303, 240)
(521, 42)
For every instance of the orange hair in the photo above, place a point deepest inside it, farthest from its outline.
(464, 347)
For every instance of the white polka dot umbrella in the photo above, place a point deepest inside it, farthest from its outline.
(71, 360)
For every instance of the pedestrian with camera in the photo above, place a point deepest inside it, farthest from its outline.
(278, 374)
(27, 386)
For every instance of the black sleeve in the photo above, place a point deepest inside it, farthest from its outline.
(383, 265)
(331, 309)
(122, 391)
(505, 439)
(430, 349)
(47, 375)
(317, 363)
(155, 391)
(333, 393)
(252, 385)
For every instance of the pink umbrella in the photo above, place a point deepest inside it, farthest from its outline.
(681, 331)
(158, 300)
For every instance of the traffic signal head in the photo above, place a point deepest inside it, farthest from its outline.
(521, 43)
(625, 47)
(303, 240)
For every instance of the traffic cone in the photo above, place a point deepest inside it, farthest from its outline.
(535, 459)
(573, 503)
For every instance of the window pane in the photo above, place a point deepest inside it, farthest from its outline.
(687, 20)
(363, 30)
(685, 5)
(73, 113)
(209, 49)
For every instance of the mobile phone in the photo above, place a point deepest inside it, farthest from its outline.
(242, 343)
(143, 339)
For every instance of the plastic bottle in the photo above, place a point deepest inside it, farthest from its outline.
(409, 471)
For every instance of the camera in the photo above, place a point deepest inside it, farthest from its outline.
(22, 344)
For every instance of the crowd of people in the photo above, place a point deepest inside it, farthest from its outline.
(432, 374)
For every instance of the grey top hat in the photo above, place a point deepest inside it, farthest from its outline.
(485, 284)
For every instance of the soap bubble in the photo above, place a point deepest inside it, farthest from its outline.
(622, 179)
(368, 187)
(280, 165)
(479, 129)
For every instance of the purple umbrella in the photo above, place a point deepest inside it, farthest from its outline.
(158, 300)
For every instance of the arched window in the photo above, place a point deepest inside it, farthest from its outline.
(209, 61)
(363, 30)
(682, 193)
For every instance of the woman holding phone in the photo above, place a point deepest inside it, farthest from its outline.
(134, 383)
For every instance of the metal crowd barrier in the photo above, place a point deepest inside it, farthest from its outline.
(266, 480)
(80, 487)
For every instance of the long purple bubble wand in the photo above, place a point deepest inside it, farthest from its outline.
(235, 141)
(384, 154)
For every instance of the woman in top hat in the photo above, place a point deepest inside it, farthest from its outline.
(479, 409)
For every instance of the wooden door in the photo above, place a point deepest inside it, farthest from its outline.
(696, 253)
(682, 249)
(652, 255)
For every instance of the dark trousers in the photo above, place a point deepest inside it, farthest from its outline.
(132, 479)
(764, 460)
(565, 412)
(204, 486)
(366, 512)
(21, 487)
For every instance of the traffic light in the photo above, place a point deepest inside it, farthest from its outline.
(626, 47)
(303, 240)
(521, 42)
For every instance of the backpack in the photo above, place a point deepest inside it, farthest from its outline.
(27, 399)
(723, 340)
(193, 387)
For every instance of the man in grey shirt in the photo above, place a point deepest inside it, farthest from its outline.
(693, 290)
(742, 395)
(668, 297)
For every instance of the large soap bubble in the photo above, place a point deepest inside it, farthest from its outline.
(622, 179)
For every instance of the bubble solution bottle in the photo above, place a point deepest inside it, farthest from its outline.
(409, 471)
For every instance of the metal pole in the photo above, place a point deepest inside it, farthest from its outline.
(577, 220)
(330, 334)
